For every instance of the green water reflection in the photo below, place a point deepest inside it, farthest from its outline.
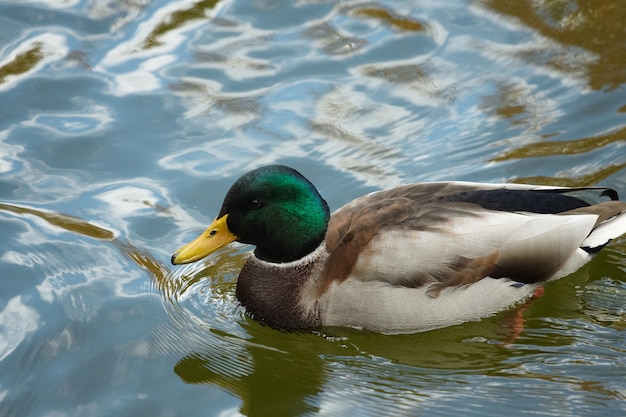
(123, 123)
(592, 26)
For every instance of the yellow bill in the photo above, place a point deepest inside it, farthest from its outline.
(216, 236)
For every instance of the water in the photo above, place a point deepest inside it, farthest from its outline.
(123, 123)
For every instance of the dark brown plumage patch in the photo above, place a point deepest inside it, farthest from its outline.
(271, 294)
(463, 271)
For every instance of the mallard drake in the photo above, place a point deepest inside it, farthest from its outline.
(404, 260)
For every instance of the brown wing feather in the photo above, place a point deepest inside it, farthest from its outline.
(352, 227)
(604, 211)
(465, 271)
(423, 207)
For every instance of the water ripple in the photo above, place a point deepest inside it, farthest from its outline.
(123, 123)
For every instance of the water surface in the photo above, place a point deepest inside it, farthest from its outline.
(123, 123)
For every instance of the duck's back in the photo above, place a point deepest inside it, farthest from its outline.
(428, 255)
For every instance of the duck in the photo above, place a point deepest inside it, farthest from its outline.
(408, 259)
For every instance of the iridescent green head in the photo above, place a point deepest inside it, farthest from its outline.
(273, 207)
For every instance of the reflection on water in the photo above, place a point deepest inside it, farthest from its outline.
(569, 25)
(571, 147)
(345, 370)
(352, 371)
(30, 57)
(123, 123)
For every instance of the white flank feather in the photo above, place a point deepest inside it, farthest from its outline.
(393, 310)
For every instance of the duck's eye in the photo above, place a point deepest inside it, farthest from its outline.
(254, 204)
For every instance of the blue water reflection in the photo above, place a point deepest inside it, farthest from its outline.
(123, 123)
